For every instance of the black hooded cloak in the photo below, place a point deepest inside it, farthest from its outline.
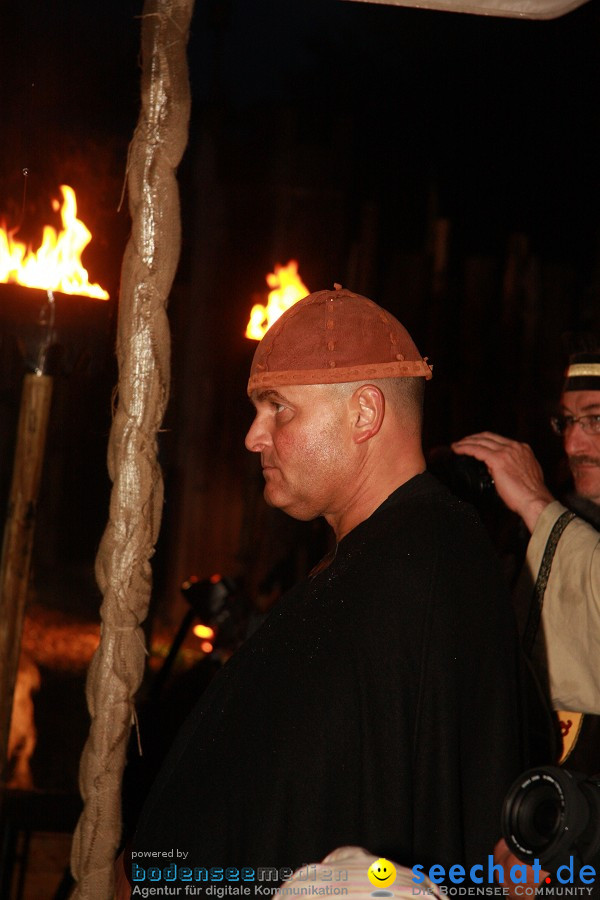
(379, 705)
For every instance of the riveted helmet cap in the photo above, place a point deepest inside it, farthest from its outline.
(332, 337)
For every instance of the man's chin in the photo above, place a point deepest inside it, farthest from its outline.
(268, 499)
(274, 497)
(286, 505)
(587, 484)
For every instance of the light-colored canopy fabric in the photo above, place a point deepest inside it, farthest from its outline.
(520, 9)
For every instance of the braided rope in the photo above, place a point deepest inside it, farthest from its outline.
(143, 350)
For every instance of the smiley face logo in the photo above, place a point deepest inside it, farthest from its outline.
(382, 873)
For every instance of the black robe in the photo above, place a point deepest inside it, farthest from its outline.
(379, 705)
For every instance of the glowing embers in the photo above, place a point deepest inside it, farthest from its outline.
(286, 289)
(56, 265)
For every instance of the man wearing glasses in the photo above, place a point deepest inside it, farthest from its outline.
(563, 556)
(561, 626)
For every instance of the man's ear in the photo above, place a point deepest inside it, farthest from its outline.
(368, 408)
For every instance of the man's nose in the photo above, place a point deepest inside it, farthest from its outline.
(576, 441)
(258, 436)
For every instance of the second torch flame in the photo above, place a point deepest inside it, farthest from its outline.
(286, 289)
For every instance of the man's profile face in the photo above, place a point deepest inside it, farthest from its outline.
(302, 433)
(583, 448)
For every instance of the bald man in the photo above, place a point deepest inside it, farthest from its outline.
(379, 705)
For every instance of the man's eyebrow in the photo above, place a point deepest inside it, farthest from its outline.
(269, 394)
(266, 395)
(587, 408)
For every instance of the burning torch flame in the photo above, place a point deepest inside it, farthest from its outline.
(56, 265)
(287, 289)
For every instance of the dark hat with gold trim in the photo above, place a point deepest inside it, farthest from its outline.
(583, 372)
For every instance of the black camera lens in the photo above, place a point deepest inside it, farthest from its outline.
(536, 815)
(552, 814)
(546, 819)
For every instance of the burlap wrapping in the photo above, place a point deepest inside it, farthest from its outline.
(143, 343)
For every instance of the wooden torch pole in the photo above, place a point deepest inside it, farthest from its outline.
(18, 538)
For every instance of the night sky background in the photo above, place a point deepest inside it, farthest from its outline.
(445, 165)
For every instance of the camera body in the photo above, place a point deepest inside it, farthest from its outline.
(465, 476)
(552, 814)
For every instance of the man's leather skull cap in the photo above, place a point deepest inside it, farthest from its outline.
(331, 337)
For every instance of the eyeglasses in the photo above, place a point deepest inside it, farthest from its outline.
(588, 424)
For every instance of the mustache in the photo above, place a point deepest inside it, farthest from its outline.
(575, 461)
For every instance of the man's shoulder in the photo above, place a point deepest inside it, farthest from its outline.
(426, 506)
(426, 541)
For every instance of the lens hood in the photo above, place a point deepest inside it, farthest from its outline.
(551, 814)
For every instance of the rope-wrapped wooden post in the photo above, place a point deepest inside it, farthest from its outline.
(18, 537)
(123, 562)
